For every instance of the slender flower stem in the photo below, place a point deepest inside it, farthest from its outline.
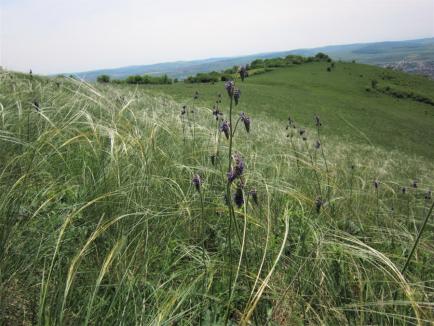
(417, 239)
(230, 208)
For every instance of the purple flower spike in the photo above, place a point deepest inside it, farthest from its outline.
(246, 120)
(238, 197)
(231, 176)
(239, 166)
(237, 94)
(224, 127)
(229, 85)
(196, 182)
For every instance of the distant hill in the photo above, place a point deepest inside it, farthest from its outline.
(416, 56)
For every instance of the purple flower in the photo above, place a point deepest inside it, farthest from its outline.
(237, 94)
(196, 182)
(231, 176)
(246, 120)
(224, 127)
(239, 166)
(196, 95)
(238, 197)
(237, 170)
(317, 144)
(404, 190)
(183, 110)
(414, 184)
(229, 85)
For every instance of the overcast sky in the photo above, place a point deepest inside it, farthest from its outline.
(53, 36)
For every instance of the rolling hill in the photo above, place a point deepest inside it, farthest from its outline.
(120, 206)
(412, 56)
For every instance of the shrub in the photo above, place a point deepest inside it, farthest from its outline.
(103, 79)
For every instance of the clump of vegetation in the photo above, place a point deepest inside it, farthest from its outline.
(121, 207)
(138, 80)
(103, 79)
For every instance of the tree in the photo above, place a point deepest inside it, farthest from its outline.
(103, 79)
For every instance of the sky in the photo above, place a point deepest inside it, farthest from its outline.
(55, 36)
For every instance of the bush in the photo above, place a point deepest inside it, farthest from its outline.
(103, 79)
(146, 80)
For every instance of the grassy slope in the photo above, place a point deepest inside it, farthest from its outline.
(340, 98)
(101, 224)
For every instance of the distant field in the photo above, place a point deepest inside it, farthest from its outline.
(340, 97)
(413, 55)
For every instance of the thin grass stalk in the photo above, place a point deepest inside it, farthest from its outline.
(417, 239)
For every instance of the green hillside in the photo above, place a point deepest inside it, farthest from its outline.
(119, 207)
(345, 100)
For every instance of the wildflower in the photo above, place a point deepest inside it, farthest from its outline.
(238, 169)
(239, 166)
(229, 85)
(243, 73)
(237, 94)
(428, 195)
(404, 190)
(317, 144)
(318, 204)
(238, 196)
(196, 95)
(196, 182)
(216, 112)
(414, 184)
(183, 110)
(224, 127)
(317, 121)
(246, 120)
(302, 131)
(376, 184)
(231, 176)
(254, 195)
